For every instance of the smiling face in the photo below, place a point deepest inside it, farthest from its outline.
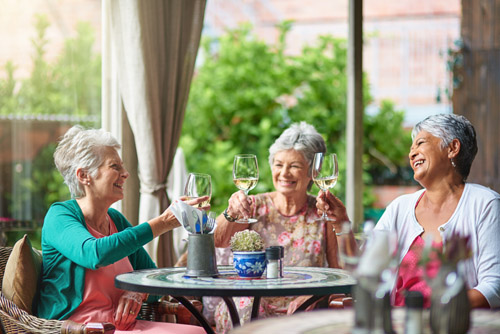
(111, 176)
(428, 160)
(290, 173)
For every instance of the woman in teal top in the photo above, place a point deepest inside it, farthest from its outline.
(91, 167)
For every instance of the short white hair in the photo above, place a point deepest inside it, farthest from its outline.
(448, 127)
(301, 137)
(81, 148)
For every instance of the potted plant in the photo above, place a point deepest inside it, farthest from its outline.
(249, 257)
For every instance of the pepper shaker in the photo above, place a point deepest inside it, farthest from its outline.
(273, 259)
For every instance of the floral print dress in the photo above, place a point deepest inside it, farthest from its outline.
(305, 246)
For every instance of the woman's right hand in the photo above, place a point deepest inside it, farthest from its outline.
(240, 205)
(167, 221)
(195, 201)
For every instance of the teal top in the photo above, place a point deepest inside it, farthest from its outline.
(69, 249)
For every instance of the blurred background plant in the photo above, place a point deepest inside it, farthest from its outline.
(246, 92)
(61, 92)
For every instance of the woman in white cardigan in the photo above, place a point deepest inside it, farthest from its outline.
(441, 156)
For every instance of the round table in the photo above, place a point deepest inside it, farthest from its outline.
(297, 281)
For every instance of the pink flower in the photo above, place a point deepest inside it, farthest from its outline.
(297, 243)
(262, 211)
(284, 238)
(244, 301)
(316, 247)
(294, 219)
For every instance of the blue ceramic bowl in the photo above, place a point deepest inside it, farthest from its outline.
(249, 264)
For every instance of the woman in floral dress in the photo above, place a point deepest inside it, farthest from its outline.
(287, 217)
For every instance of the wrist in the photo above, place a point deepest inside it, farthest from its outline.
(342, 227)
(228, 217)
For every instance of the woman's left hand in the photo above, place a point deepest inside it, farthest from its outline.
(129, 306)
(334, 208)
(297, 302)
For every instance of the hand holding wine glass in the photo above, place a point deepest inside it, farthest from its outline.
(199, 185)
(325, 171)
(245, 176)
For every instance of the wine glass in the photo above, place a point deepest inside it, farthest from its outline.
(325, 172)
(245, 176)
(199, 185)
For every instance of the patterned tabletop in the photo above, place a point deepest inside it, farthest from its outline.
(296, 281)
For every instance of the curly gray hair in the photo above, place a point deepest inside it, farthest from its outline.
(80, 148)
(448, 127)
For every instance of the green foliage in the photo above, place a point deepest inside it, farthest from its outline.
(247, 92)
(69, 87)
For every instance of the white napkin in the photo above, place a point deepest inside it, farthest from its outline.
(190, 218)
(377, 254)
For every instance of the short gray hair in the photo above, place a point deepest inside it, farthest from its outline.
(301, 137)
(80, 148)
(448, 127)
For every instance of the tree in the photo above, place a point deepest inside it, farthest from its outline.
(246, 92)
(69, 87)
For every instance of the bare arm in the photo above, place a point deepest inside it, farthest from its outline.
(476, 299)
(239, 205)
(225, 230)
(332, 248)
(335, 210)
(167, 221)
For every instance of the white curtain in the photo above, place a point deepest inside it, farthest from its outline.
(154, 45)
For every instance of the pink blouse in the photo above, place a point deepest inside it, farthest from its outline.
(411, 274)
(101, 297)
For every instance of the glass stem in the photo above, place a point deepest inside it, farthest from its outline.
(324, 212)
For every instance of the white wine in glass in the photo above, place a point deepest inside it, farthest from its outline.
(245, 176)
(325, 172)
(199, 185)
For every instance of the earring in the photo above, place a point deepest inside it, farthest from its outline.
(453, 163)
(88, 183)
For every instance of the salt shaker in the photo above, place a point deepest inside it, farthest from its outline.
(273, 259)
(414, 301)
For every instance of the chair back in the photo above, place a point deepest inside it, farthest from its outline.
(4, 256)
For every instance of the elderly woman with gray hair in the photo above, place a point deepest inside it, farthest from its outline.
(86, 243)
(441, 156)
(286, 216)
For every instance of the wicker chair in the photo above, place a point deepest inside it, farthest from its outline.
(15, 320)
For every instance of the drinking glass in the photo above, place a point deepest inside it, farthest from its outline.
(325, 172)
(199, 185)
(245, 176)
